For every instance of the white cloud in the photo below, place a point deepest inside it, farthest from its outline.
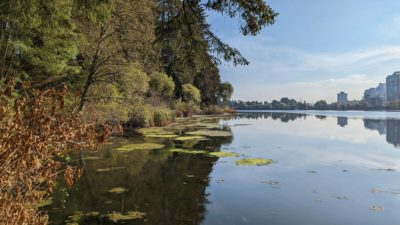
(310, 91)
(277, 71)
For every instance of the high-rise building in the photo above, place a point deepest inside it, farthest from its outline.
(375, 96)
(393, 87)
(342, 98)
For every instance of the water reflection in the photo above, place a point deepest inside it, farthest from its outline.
(169, 187)
(342, 121)
(388, 127)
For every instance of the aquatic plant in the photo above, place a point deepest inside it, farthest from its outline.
(141, 146)
(187, 151)
(223, 154)
(119, 217)
(189, 138)
(253, 161)
(117, 190)
(110, 169)
(210, 133)
(161, 135)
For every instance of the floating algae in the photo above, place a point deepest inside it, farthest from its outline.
(117, 190)
(187, 151)
(75, 218)
(161, 135)
(210, 133)
(190, 138)
(142, 146)
(253, 161)
(92, 158)
(223, 154)
(376, 208)
(119, 217)
(110, 169)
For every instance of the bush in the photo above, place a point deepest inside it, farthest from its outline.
(148, 116)
(191, 93)
(162, 84)
(162, 116)
(212, 110)
(186, 108)
(36, 133)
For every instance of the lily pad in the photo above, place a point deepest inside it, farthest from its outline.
(117, 190)
(189, 138)
(142, 146)
(110, 169)
(253, 161)
(223, 154)
(210, 133)
(188, 151)
(130, 215)
(152, 130)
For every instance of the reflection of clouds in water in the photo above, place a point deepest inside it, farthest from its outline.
(312, 141)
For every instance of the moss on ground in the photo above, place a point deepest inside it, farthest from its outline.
(253, 161)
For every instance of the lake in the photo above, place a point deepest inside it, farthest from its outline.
(329, 168)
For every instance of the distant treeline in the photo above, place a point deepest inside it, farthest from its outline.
(292, 104)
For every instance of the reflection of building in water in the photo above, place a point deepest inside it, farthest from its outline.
(389, 127)
(393, 132)
(342, 121)
(379, 125)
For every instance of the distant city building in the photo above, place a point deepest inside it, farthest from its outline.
(375, 96)
(393, 87)
(342, 98)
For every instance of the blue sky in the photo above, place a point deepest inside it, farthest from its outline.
(315, 49)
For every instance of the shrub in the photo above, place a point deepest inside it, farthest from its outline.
(149, 116)
(191, 93)
(186, 108)
(34, 131)
(212, 110)
(140, 116)
(162, 84)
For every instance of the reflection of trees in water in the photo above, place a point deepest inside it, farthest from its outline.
(320, 117)
(168, 187)
(284, 117)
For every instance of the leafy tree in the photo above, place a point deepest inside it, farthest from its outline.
(162, 84)
(191, 93)
(225, 92)
(187, 43)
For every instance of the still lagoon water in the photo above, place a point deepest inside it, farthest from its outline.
(329, 168)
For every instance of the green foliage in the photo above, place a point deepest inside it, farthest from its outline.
(162, 116)
(225, 92)
(191, 93)
(186, 108)
(162, 84)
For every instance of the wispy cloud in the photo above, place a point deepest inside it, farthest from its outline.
(277, 71)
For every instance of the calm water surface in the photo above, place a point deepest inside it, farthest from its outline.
(329, 169)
